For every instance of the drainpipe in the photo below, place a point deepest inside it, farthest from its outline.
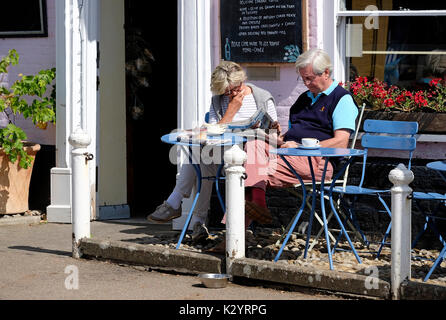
(401, 177)
(234, 158)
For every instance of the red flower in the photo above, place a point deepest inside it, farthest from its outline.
(419, 99)
(401, 98)
(389, 103)
(434, 82)
(379, 95)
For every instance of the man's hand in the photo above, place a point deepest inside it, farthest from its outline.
(290, 144)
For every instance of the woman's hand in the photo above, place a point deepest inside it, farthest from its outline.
(276, 126)
(237, 100)
(235, 103)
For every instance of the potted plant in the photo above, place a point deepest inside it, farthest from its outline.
(28, 97)
(425, 105)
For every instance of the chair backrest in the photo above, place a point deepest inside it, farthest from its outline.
(385, 134)
(390, 135)
(355, 137)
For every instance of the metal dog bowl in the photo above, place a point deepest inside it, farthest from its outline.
(214, 280)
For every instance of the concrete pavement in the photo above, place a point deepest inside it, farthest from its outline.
(36, 263)
(120, 241)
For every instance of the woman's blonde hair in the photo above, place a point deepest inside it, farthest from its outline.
(317, 58)
(226, 73)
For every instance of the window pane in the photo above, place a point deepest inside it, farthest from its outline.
(24, 17)
(412, 38)
(396, 4)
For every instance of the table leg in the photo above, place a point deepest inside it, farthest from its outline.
(313, 205)
(301, 209)
(324, 216)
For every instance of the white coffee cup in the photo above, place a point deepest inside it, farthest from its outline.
(310, 142)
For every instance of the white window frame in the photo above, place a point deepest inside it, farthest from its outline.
(335, 15)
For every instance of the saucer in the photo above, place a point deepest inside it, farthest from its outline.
(310, 148)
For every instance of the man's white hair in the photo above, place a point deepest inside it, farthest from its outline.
(318, 58)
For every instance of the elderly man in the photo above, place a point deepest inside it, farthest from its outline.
(326, 112)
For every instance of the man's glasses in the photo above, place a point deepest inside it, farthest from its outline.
(308, 79)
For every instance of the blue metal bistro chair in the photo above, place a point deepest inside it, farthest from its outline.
(431, 217)
(379, 134)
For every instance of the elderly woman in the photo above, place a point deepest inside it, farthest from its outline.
(233, 101)
(326, 112)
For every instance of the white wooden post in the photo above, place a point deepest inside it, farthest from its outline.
(401, 177)
(81, 203)
(235, 204)
(81, 98)
(194, 75)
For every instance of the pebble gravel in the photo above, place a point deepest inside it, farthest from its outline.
(266, 242)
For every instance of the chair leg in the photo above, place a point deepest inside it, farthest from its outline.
(217, 187)
(191, 211)
(318, 218)
(313, 243)
(350, 224)
(351, 221)
(343, 231)
(436, 263)
(290, 231)
(426, 218)
(186, 224)
(352, 217)
(430, 222)
(383, 241)
(288, 227)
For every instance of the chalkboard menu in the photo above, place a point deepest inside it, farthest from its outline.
(261, 30)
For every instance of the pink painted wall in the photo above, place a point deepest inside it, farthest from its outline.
(35, 54)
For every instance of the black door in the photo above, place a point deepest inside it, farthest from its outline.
(151, 68)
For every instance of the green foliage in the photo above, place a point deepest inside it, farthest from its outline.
(28, 97)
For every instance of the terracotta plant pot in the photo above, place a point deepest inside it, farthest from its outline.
(14, 182)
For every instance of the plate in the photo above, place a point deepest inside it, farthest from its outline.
(216, 133)
(309, 148)
(215, 129)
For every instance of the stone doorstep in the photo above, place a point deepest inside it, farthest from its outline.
(194, 262)
(330, 280)
(20, 220)
(150, 255)
(414, 290)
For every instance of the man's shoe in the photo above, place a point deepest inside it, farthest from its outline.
(257, 213)
(199, 232)
(164, 213)
(220, 248)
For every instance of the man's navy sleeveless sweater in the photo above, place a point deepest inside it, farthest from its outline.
(313, 121)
